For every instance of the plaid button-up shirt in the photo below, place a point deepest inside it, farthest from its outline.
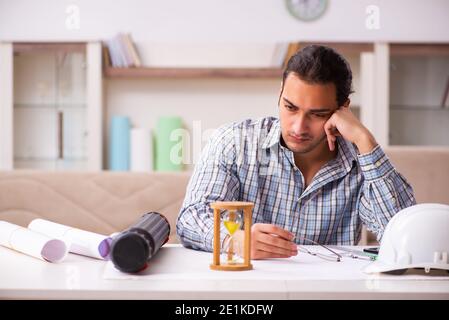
(246, 162)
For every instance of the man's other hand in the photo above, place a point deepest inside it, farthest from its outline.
(268, 241)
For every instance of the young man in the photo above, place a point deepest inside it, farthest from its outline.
(315, 173)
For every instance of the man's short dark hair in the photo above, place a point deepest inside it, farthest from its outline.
(316, 64)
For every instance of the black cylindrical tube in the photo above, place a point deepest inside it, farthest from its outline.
(132, 248)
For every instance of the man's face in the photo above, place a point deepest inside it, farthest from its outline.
(303, 110)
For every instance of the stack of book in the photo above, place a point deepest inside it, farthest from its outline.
(121, 52)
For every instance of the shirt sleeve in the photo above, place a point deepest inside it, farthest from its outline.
(384, 192)
(214, 179)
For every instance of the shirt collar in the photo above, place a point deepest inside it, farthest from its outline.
(274, 135)
(347, 154)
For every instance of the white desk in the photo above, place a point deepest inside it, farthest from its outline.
(77, 277)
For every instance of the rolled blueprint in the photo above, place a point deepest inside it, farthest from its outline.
(141, 150)
(79, 241)
(32, 243)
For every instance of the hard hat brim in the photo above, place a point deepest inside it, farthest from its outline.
(379, 266)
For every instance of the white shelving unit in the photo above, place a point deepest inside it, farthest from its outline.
(6, 105)
(374, 87)
(51, 106)
(403, 88)
(399, 88)
(419, 106)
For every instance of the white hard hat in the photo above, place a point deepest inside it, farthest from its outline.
(416, 237)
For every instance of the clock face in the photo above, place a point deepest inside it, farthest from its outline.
(306, 10)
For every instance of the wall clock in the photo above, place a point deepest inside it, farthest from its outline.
(306, 10)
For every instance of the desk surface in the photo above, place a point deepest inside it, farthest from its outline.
(78, 277)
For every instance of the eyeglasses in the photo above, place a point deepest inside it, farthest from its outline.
(333, 256)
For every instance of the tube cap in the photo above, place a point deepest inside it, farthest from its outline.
(130, 252)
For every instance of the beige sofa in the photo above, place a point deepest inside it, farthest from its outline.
(103, 202)
(106, 202)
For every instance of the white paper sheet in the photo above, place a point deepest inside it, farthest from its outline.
(141, 150)
(32, 243)
(177, 263)
(79, 241)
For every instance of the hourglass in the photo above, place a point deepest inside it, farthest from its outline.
(232, 221)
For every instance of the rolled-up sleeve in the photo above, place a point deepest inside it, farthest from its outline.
(384, 192)
(214, 179)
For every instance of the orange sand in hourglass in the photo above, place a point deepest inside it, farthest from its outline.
(232, 224)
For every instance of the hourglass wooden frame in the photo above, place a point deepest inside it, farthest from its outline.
(246, 207)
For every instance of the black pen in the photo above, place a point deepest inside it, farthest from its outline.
(374, 250)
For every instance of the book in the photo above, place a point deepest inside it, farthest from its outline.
(132, 50)
(122, 52)
(120, 49)
(106, 57)
(114, 53)
(126, 53)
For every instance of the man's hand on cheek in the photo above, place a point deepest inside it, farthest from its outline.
(344, 123)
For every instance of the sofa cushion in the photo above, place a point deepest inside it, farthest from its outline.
(426, 168)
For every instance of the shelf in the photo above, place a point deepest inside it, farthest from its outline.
(419, 49)
(35, 159)
(419, 108)
(52, 106)
(147, 72)
(251, 73)
(33, 47)
(344, 47)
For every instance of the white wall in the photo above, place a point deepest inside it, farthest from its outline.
(201, 21)
(156, 25)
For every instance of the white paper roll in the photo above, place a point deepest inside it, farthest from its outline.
(32, 243)
(141, 150)
(78, 241)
